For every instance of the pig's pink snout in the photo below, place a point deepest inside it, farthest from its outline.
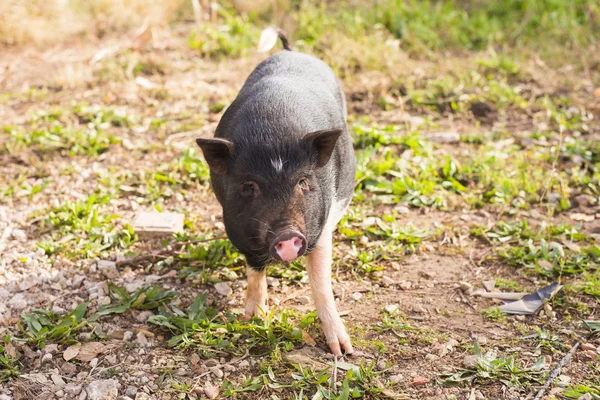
(289, 246)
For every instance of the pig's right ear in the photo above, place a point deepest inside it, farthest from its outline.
(217, 153)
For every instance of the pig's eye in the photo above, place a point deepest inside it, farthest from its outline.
(249, 189)
(303, 184)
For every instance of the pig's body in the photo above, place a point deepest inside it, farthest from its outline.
(283, 168)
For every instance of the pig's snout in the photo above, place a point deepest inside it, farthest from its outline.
(288, 245)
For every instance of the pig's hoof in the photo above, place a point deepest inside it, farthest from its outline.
(253, 309)
(338, 340)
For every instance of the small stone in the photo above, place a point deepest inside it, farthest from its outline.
(489, 285)
(68, 369)
(244, 364)
(73, 390)
(356, 296)
(103, 390)
(396, 378)
(272, 282)
(94, 362)
(223, 288)
(141, 339)
(402, 209)
(391, 308)
(211, 362)
(142, 396)
(143, 316)
(216, 372)
(387, 281)
(127, 336)
(108, 269)
(470, 361)
(18, 302)
(430, 357)
(303, 299)
(444, 137)
(228, 368)
(46, 358)
(131, 391)
(420, 381)
(405, 285)
(19, 234)
(57, 380)
(465, 286)
(418, 308)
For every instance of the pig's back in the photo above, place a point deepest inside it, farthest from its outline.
(289, 92)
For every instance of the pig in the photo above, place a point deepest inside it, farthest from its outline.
(282, 167)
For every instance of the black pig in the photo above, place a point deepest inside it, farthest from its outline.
(282, 167)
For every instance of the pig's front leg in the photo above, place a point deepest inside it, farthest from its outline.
(256, 293)
(319, 274)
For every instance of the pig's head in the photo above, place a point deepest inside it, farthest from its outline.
(275, 197)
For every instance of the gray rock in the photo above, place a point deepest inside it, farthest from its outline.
(127, 336)
(272, 282)
(391, 308)
(141, 339)
(223, 288)
(216, 372)
(131, 391)
(303, 299)
(108, 269)
(143, 316)
(105, 389)
(444, 137)
(73, 390)
(18, 302)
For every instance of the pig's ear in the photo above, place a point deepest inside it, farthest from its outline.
(324, 142)
(217, 153)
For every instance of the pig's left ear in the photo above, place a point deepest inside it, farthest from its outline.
(217, 153)
(324, 142)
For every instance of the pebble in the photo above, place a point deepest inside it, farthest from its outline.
(19, 234)
(420, 380)
(141, 339)
(444, 137)
(108, 269)
(465, 286)
(396, 378)
(303, 299)
(244, 364)
(405, 285)
(391, 308)
(142, 396)
(216, 372)
(131, 391)
(143, 316)
(46, 358)
(470, 361)
(105, 389)
(127, 336)
(223, 288)
(387, 281)
(272, 282)
(18, 302)
(418, 309)
(356, 296)
(73, 389)
(57, 380)
(68, 369)
(402, 209)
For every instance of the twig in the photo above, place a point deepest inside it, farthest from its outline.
(555, 372)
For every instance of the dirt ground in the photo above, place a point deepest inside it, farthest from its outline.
(431, 287)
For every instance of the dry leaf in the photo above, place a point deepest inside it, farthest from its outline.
(211, 392)
(89, 351)
(308, 339)
(71, 351)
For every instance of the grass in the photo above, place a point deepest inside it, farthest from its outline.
(491, 367)
(82, 228)
(9, 366)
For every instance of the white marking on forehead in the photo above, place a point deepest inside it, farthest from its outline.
(277, 164)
